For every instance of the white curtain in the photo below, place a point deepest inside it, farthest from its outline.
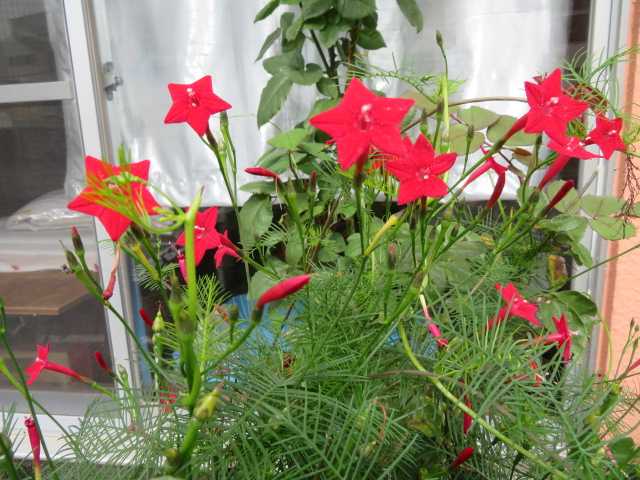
(495, 45)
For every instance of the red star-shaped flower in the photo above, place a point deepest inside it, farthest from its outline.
(562, 336)
(418, 171)
(516, 306)
(42, 362)
(567, 148)
(500, 170)
(362, 120)
(206, 237)
(126, 181)
(194, 103)
(550, 108)
(606, 135)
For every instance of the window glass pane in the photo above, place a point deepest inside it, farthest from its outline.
(44, 304)
(29, 41)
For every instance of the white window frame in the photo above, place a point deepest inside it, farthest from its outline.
(609, 22)
(83, 89)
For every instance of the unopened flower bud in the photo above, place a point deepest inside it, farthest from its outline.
(470, 133)
(439, 40)
(564, 190)
(313, 181)
(208, 404)
(173, 456)
(72, 260)
(77, 242)
(392, 255)
(158, 322)
(102, 363)
(282, 290)
(145, 317)
(461, 458)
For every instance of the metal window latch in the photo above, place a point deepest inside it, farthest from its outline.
(111, 80)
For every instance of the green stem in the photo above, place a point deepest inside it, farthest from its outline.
(8, 455)
(477, 418)
(358, 191)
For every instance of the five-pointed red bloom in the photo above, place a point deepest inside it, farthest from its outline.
(283, 289)
(550, 109)
(42, 362)
(194, 103)
(226, 248)
(567, 148)
(127, 181)
(462, 457)
(206, 237)
(501, 171)
(361, 120)
(562, 336)
(262, 172)
(418, 171)
(606, 135)
(516, 306)
(34, 442)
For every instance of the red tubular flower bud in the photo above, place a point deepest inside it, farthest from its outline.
(282, 290)
(102, 363)
(468, 420)
(518, 125)
(34, 442)
(568, 185)
(145, 317)
(462, 457)
(262, 172)
(554, 169)
(77, 241)
(108, 292)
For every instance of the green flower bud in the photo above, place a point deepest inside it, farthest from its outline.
(208, 404)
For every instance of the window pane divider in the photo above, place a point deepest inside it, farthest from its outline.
(36, 92)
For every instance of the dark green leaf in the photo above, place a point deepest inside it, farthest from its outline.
(329, 35)
(266, 10)
(564, 223)
(288, 140)
(353, 248)
(601, 206)
(311, 75)
(578, 302)
(370, 39)
(294, 29)
(623, 450)
(255, 218)
(356, 9)
(327, 87)
(271, 38)
(478, 118)
(498, 130)
(275, 160)
(458, 140)
(275, 65)
(581, 254)
(267, 187)
(611, 228)
(412, 13)
(322, 105)
(273, 96)
(293, 252)
(315, 8)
